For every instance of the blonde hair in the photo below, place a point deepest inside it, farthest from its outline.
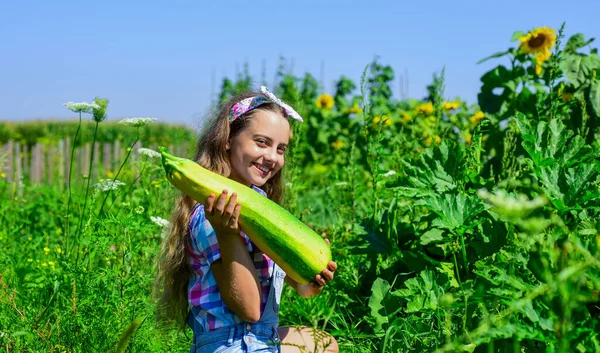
(173, 268)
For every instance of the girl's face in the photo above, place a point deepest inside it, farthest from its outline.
(257, 153)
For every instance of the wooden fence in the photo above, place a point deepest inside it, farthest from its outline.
(50, 163)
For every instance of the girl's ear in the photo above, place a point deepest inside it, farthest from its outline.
(228, 145)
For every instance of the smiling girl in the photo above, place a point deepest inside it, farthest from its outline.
(212, 276)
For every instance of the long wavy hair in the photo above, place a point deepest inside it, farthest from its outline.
(171, 285)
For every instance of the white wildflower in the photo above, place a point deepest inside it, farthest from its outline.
(341, 183)
(511, 206)
(108, 184)
(81, 107)
(161, 222)
(137, 122)
(389, 174)
(149, 153)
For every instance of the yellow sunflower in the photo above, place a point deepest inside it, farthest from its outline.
(539, 40)
(386, 120)
(426, 108)
(354, 110)
(337, 144)
(451, 105)
(405, 118)
(475, 119)
(325, 101)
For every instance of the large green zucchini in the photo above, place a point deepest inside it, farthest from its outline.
(296, 248)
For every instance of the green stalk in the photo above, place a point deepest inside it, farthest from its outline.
(120, 168)
(66, 230)
(87, 190)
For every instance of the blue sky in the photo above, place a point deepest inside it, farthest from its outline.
(158, 58)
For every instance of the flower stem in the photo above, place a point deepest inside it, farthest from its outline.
(66, 230)
(120, 168)
(87, 190)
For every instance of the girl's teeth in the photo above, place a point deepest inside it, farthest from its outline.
(262, 169)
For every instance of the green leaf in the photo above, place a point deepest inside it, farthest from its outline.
(595, 96)
(432, 235)
(454, 210)
(563, 163)
(383, 305)
(422, 293)
(516, 35)
(578, 67)
(379, 291)
(435, 171)
(575, 42)
(493, 56)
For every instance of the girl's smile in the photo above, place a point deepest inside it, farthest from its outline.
(257, 153)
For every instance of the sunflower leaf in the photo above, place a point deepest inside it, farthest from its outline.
(575, 42)
(595, 96)
(516, 35)
(493, 56)
(578, 67)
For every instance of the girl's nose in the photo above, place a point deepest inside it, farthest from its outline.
(270, 157)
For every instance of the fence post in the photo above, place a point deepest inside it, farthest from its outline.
(19, 170)
(117, 155)
(61, 163)
(67, 154)
(51, 161)
(7, 154)
(33, 168)
(106, 165)
(26, 170)
(95, 162)
(85, 159)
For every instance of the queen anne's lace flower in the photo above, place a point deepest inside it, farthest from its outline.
(161, 222)
(81, 107)
(137, 122)
(149, 153)
(108, 184)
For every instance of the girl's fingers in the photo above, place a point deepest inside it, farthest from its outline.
(231, 205)
(320, 280)
(327, 275)
(236, 215)
(327, 241)
(209, 203)
(221, 202)
(332, 266)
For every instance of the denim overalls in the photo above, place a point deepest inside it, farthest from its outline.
(261, 336)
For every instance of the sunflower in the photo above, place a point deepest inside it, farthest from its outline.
(405, 118)
(354, 110)
(539, 40)
(426, 108)
(451, 105)
(325, 101)
(337, 144)
(385, 119)
(475, 119)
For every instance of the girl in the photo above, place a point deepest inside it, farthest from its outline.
(212, 276)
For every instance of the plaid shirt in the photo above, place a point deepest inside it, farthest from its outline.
(206, 303)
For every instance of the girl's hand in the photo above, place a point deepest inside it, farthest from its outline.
(222, 215)
(315, 287)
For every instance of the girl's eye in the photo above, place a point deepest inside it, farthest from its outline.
(261, 142)
(282, 149)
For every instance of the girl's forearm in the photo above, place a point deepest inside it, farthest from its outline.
(237, 278)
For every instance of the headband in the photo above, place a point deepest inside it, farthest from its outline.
(246, 105)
